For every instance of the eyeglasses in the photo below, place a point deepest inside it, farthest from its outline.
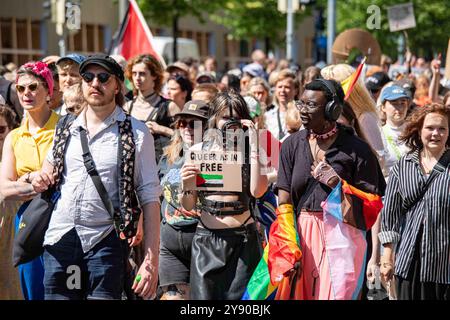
(3, 129)
(31, 86)
(103, 77)
(310, 105)
(184, 124)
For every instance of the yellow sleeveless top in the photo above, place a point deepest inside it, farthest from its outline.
(31, 151)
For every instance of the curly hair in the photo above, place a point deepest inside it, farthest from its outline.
(414, 124)
(153, 65)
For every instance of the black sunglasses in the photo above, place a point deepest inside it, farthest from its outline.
(183, 123)
(103, 77)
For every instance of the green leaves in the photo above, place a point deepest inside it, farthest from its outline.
(430, 35)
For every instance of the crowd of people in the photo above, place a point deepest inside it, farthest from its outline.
(112, 137)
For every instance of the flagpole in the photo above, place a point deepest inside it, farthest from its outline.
(123, 8)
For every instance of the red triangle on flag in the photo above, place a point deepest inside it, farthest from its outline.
(200, 181)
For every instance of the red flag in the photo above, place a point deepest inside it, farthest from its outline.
(134, 36)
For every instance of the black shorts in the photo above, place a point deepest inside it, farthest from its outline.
(175, 254)
(223, 261)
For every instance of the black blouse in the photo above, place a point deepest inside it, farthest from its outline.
(350, 157)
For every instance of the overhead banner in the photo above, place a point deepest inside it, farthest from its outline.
(219, 171)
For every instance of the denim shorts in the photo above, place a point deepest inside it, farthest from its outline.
(175, 254)
(71, 274)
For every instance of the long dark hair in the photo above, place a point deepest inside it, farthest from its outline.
(225, 100)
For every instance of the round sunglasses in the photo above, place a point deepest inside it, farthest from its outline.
(103, 77)
(31, 86)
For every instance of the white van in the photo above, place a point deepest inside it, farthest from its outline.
(186, 48)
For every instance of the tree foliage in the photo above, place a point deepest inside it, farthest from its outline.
(255, 19)
(245, 19)
(162, 12)
(429, 37)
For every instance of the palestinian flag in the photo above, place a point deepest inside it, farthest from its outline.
(205, 180)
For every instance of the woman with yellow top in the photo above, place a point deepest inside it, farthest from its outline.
(24, 151)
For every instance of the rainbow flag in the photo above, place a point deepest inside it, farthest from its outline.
(280, 256)
(209, 180)
(348, 213)
(349, 83)
(259, 287)
(284, 249)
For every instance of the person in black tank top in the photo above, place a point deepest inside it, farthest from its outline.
(225, 248)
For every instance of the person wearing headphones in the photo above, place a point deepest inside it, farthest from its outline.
(312, 162)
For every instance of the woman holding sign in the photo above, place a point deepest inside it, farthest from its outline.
(178, 225)
(225, 248)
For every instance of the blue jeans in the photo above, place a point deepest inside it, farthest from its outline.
(71, 274)
(31, 274)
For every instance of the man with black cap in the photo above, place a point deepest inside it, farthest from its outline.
(84, 231)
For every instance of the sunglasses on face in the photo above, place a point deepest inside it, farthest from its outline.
(32, 87)
(3, 129)
(184, 124)
(103, 77)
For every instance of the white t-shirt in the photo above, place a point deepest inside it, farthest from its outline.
(395, 149)
(272, 124)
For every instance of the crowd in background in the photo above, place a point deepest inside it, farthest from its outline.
(402, 120)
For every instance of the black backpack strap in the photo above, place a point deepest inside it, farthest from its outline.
(92, 171)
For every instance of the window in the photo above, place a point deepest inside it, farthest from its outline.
(90, 39)
(19, 40)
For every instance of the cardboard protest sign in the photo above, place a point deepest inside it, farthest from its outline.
(401, 17)
(219, 171)
(447, 62)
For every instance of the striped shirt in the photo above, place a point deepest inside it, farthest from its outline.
(432, 211)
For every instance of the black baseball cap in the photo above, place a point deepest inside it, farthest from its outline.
(105, 62)
(196, 108)
(377, 81)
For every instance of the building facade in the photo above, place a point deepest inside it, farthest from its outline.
(25, 35)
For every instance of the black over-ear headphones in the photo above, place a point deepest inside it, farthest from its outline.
(333, 108)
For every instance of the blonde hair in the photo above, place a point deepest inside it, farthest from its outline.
(293, 121)
(209, 88)
(74, 94)
(173, 150)
(66, 65)
(258, 81)
(360, 99)
(283, 75)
